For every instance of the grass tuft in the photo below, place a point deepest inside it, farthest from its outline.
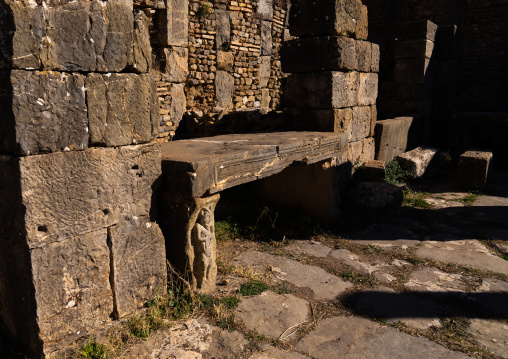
(92, 350)
(253, 287)
(416, 200)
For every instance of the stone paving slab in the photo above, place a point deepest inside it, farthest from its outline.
(469, 252)
(395, 307)
(324, 285)
(355, 338)
(435, 280)
(273, 353)
(492, 335)
(387, 235)
(272, 314)
(493, 296)
(308, 248)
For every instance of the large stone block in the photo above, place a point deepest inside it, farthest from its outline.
(123, 109)
(367, 90)
(138, 263)
(361, 151)
(141, 49)
(413, 71)
(176, 64)
(265, 10)
(225, 60)
(266, 38)
(473, 169)
(333, 120)
(264, 70)
(68, 194)
(413, 49)
(224, 87)
(375, 58)
(325, 90)
(330, 17)
(173, 23)
(361, 123)
(42, 112)
(223, 30)
(76, 36)
(178, 103)
(421, 161)
(327, 53)
(364, 55)
(418, 30)
(72, 288)
(392, 137)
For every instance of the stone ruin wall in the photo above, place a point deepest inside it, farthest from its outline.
(222, 56)
(78, 167)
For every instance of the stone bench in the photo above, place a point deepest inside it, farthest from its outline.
(195, 171)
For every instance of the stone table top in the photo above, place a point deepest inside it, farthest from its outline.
(195, 167)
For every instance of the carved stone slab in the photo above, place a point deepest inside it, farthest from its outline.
(193, 168)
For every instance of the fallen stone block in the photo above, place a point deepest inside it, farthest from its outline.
(375, 196)
(420, 161)
(67, 194)
(473, 169)
(43, 112)
(367, 90)
(327, 53)
(371, 171)
(327, 90)
(123, 109)
(332, 17)
(173, 23)
(413, 49)
(138, 264)
(392, 137)
(176, 66)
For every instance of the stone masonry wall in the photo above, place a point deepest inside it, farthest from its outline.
(78, 168)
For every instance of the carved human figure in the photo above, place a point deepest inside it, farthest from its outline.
(203, 243)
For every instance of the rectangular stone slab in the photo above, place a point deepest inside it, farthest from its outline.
(192, 168)
(71, 193)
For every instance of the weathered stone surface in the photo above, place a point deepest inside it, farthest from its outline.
(420, 161)
(224, 88)
(361, 123)
(333, 120)
(473, 169)
(331, 17)
(324, 285)
(73, 293)
(225, 60)
(72, 193)
(313, 190)
(173, 23)
(223, 28)
(492, 335)
(392, 137)
(375, 58)
(413, 49)
(361, 151)
(226, 344)
(141, 49)
(364, 55)
(273, 353)
(194, 167)
(264, 70)
(189, 227)
(434, 280)
(265, 98)
(327, 90)
(417, 30)
(176, 67)
(138, 264)
(266, 38)
(43, 112)
(265, 10)
(271, 314)
(464, 252)
(361, 338)
(492, 295)
(367, 90)
(326, 53)
(375, 196)
(77, 36)
(396, 307)
(412, 71)
(178, 103)
(122, 109)
(309, 248)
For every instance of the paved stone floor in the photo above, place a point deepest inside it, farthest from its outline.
(422, 283)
